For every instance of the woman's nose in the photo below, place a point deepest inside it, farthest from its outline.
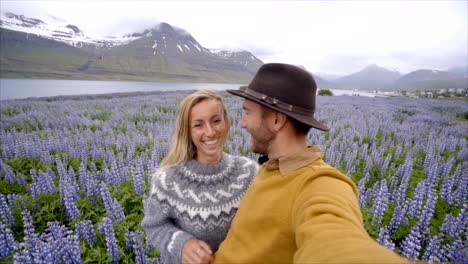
(209, 130)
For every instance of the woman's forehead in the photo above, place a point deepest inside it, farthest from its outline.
(206, 108)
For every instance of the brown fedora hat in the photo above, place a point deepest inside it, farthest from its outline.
(284, 88)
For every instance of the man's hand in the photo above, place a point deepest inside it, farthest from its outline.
(196, 252)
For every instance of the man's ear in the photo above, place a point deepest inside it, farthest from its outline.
(280, 120)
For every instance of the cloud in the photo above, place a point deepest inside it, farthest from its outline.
(334, 36)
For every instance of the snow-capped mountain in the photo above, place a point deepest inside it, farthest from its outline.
(58, 30)
(161, 52)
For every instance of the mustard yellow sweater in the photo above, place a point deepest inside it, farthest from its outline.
(309, 215)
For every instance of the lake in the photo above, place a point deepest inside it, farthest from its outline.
(24, 88)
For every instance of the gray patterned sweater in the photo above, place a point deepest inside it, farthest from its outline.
(195, 201)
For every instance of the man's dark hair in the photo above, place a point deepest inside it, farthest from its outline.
(300, 128)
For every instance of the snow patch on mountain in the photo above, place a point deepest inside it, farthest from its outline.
(57, 29)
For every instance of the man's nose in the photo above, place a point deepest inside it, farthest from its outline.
(243, 123)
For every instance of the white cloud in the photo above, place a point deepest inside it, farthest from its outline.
(332, 36)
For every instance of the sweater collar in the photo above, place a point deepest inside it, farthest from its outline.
(293, 162)
(208, 169)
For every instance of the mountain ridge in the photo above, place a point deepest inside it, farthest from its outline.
(162, 52)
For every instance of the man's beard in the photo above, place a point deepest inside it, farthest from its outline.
(261, 139)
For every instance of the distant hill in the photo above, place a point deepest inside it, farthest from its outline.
(372, 77)
(322, 83)
(461, 71)
(34, 48)
(431, 80)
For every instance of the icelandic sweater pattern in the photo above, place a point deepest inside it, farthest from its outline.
(195, 201)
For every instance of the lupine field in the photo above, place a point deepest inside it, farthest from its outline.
(74, 171)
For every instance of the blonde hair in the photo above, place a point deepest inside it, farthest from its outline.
(182, 148)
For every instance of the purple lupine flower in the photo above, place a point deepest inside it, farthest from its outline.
(115, 171)
(51, 174)
(23, 256)
(72, 183)
(460, 256)
(138, 247)
(118, 211)
(447, 186)
(369, 164)
(433, 176)
(72, 249)
(433, 250)
(414, 209)
(9, 174)
(385, 164)
(428, 160)
(149, 247)
(380, 204)
(48, 183)
(110, 177)
(411, 245)
(34, 188)
(454, 226)
(68, 191)
(107, 230)
(29, 232)
(11, 197)
(428, 211)
(460, 194)
(51, 245)
(28, 248)
(20, 179)
(384, 239)
(138, 178)
(398, 218)
(71, 209)
(129, 239)
(61, 244)
(454, 251)
(113, 207)
(85, 230)
(7, 240)
(82, 174)
(362, 190)
(92, 187)
(41, 183)
(123, 169)
(401, 192)
(5, 211)
(107, 199)
(398, 151)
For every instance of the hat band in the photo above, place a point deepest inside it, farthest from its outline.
(279, 104)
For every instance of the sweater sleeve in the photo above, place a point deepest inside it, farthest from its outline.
(328, 224)
(161, 231)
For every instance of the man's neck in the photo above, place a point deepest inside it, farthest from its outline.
(286, 147)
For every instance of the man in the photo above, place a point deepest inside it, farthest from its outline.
(298, 209)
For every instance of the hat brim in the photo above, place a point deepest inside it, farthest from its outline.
(308, 120)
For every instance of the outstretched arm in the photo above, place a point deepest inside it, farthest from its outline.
(328, 224)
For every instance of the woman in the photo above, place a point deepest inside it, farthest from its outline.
(197, 189)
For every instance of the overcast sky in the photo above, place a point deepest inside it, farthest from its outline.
(338, 37)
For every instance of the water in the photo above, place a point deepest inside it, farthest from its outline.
(24, 88)
(353, 93)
